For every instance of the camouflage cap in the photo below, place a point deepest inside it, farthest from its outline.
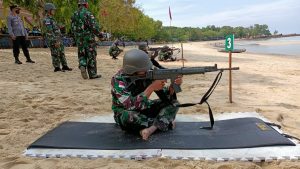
(136, 60)
(82, 1)
(49, 6)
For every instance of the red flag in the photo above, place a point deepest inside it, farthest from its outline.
(170, 14)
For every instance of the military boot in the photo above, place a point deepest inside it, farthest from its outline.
(17, 61)
(66, 68)
(83, 72)
(30, 61)
(95, 77)
(57, 69)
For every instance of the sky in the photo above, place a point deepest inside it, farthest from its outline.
(281, 15)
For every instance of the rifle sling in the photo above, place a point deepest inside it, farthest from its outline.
(204, 100)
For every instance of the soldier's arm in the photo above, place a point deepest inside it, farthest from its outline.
(139, 102)
(94, 25)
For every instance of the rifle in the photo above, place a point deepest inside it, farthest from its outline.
(155, 49)
(172, 74)
(163, 49)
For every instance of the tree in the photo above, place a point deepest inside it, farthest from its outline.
(124, 18)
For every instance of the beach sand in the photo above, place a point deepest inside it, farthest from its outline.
(34, 100)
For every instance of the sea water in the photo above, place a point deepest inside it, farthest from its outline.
(277, 46)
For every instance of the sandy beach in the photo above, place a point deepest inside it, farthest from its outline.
(34, 100)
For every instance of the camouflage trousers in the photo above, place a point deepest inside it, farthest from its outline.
(58, 56)
(159, 114)
(87, 58)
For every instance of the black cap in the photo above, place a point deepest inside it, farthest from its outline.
(14, 6)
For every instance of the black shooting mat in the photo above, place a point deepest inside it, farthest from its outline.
(226, 134)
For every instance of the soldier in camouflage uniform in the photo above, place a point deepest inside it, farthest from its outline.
(54, 40)
(133, 110)
(114, 49)
(85, 28)
(166, 54)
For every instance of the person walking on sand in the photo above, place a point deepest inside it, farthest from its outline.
(54, 39)
(18, 34)
(85, 27)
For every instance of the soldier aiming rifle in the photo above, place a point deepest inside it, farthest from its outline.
(165, 53)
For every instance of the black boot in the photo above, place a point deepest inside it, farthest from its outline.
(57, 69)
(30, 61)
(95, 77)
(17, 61)
(66, 68)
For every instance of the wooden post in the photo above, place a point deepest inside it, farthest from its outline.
(230, 77)
(182, 55)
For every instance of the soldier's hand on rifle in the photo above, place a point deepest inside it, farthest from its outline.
(177, 81)
(158, 85)
(155, 86)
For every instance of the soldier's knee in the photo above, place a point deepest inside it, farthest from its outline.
(126, 118)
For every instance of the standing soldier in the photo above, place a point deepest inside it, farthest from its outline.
(18, 34)
(85, 28)
(54, 40)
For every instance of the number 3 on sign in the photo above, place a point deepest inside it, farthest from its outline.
(229, 42)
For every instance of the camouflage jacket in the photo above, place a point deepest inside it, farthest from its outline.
(51, 31)
(85, 27)
(128, 99)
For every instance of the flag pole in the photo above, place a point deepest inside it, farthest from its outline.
(170, 16)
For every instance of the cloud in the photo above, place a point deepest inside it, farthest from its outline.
(247, 15)
(281, 14)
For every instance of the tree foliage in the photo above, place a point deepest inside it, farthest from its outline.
(124, 18)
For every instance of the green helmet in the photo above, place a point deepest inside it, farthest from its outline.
(82, 2)
(49, 6)
(135, 61)
(143, 47)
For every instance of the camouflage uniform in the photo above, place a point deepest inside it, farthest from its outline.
(85, 27)
(53, 36)
(165, 53)
(133, 111)
(114, 48)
